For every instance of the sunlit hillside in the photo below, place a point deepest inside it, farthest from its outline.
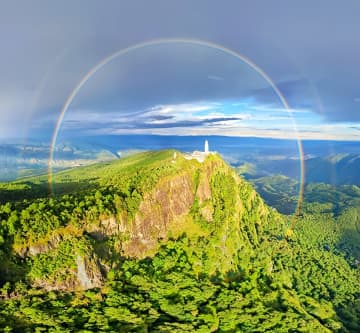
(156, 242)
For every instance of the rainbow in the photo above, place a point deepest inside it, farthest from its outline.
(129, 49)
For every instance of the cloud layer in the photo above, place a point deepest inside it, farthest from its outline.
(310, 51)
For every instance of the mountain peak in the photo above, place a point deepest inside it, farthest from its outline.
(132, 206)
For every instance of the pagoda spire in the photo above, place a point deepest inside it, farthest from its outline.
(206, 149)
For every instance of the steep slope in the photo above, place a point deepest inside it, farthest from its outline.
(159, 243)
(132, 210)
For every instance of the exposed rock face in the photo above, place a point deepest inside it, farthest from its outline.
(50, 242)
(88, 273)
(71, 284)
(200, 196)
(207, 213)
(203, 192)
(105, 228)
(172, 198)
(44, 247)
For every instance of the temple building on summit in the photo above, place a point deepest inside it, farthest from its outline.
(200, 155)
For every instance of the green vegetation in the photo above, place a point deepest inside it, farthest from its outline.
(153, 243)
(282, 193)
(278, 191)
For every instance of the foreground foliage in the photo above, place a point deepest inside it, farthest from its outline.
(222, 276)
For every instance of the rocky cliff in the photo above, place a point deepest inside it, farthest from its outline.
(185, 197)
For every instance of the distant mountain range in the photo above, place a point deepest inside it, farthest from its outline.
(338, 169)
(325, 161)
(334, 169)
(20, 160)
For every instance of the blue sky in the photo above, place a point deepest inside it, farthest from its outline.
(211, 118)
(309, 50)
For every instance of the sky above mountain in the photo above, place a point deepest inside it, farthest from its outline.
(200, 68)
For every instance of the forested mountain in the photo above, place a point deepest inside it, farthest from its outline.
(334, 169)
(159, 243)
(282, 193)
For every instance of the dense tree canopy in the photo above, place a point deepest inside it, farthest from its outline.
(233, 272)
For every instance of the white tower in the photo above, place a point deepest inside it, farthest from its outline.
(206, 147)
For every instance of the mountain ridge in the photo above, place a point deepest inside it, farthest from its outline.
(145, 211)
(156, 242)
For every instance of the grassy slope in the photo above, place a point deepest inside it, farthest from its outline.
(82, 178)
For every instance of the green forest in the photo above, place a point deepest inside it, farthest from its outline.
(155, 242)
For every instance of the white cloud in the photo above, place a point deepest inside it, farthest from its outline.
(180, 108)
(196, 119)
(234, 128)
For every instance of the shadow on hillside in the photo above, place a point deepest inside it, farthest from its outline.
(349, 242)
(350, 316)
(13, 323)
(29, 190)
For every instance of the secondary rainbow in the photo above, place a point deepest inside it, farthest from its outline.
(121, 52)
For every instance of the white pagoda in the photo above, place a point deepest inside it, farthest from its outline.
(206, 149)
(199, 155)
